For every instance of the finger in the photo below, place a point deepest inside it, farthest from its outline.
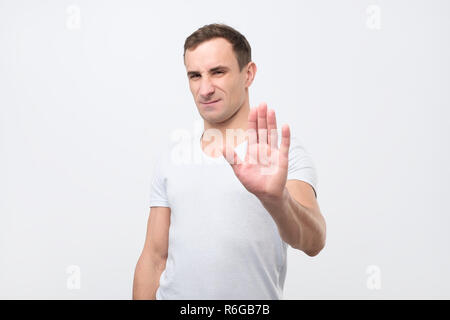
(285, 141)
(272, 138)
(262, 123)
(252, 147)
(253, 126)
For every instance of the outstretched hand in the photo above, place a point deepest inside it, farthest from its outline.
(264, 170)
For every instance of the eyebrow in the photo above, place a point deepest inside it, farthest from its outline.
(190, 73)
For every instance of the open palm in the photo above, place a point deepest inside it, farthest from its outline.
(264, 170)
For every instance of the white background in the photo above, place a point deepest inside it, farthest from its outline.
(90, 89)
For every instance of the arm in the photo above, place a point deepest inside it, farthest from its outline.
(263, 172)
(152, 261)
(298, 218)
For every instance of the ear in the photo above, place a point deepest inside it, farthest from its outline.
(250, 71)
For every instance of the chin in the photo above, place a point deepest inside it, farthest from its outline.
(217, 118)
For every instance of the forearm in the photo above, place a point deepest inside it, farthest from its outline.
(297, 225)
(146, 277)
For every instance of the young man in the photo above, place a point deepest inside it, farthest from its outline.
(221, 231)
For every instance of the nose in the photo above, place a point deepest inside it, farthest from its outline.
(206, 89)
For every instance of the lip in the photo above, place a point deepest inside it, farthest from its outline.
(210, 103)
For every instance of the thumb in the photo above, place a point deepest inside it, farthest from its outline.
(230, 155)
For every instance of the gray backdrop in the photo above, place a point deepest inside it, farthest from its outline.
(90, 89)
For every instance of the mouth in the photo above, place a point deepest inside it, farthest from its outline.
(210, 103)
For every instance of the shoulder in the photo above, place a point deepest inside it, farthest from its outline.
(301, 165)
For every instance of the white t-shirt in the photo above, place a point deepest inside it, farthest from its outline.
(223, 244)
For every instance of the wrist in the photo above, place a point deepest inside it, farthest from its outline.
(276, 200)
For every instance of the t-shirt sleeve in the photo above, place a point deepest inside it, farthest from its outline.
(301, 166)
(158, 185)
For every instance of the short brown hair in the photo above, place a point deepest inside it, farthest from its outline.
(241, 47)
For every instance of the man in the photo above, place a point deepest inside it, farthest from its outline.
(221, 231)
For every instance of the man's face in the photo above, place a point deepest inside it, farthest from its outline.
(217, 85)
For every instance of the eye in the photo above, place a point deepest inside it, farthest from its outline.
(194, 76)
(218, 72)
